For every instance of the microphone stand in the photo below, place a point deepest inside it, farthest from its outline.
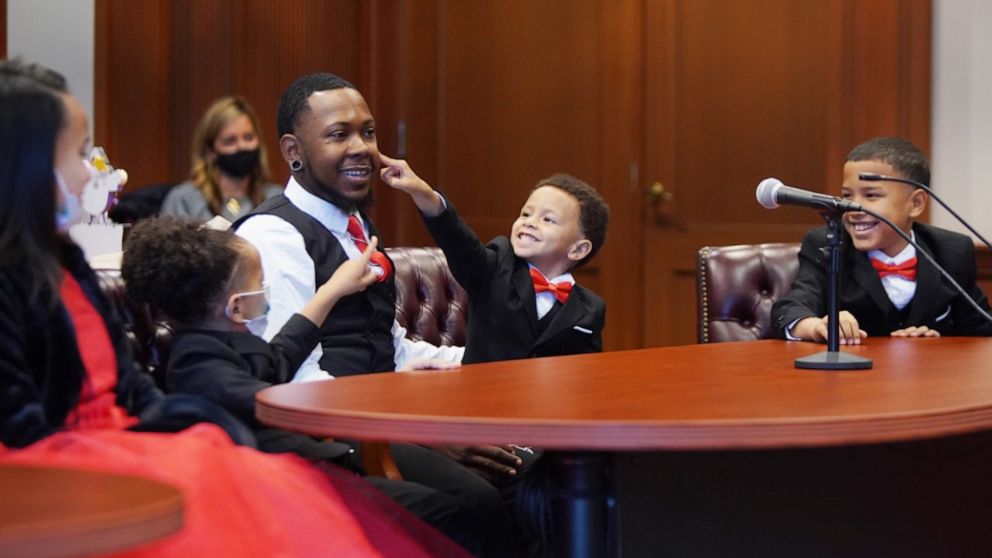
(832, 358)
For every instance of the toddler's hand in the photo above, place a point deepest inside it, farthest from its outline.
(353, 275)
(397, 174)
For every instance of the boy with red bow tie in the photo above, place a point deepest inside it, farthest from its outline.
(884, 288)
(523, 302)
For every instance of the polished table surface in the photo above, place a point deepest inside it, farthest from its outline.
(49, 512)
(717, 396)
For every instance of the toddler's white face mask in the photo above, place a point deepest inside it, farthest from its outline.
(257, 324)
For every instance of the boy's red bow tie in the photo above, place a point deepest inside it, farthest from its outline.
(906, 269)
(560, 290)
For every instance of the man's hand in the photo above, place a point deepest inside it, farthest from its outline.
(492, 463)
(915, 331)
(396, 173)
(815, 329)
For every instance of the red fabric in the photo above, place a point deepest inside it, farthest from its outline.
(906, 269)
(378, 259)
(560, 290)
(240, 502)
(357, 232)
(97, 406)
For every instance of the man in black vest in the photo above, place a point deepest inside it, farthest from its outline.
(327, 135)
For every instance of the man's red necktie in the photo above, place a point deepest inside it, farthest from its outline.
(378, 259)
(906, 269)
(357, 233)
(560, 290)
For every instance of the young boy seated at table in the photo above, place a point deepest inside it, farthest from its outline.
(523, 300)
(884, 288)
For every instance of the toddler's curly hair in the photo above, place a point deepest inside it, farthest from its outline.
(179, 267)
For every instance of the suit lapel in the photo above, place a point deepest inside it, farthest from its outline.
(567, 316)
(866, 276)
(927, 281)
(524, 287)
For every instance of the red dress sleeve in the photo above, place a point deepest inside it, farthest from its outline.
(97, 406)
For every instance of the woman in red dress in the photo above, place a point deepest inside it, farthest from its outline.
(71, 395)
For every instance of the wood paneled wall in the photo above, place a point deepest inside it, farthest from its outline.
(485, 98)
(160, 64)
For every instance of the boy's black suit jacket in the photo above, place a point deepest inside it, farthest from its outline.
(936, 303)
(502, 316)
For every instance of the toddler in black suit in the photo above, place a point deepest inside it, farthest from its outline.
(884, 288)
(209, 283)
(523, 302)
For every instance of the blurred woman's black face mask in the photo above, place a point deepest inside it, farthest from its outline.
(238, 164)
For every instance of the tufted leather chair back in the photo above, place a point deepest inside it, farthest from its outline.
(150, 336)
(736, 287)
(430, 304)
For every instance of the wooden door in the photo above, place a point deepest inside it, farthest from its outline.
(740, 91)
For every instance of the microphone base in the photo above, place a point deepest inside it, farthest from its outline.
(833, 360)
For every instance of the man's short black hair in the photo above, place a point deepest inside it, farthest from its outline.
(900, 153)
(594, 213)
(294, 99)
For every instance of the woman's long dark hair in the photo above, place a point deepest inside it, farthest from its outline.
(31, 116)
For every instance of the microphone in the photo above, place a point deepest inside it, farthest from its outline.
(872, 177)
(771, 193)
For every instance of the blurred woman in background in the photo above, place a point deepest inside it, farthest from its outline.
(229, 175)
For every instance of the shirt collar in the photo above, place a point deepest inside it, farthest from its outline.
(320, 209)
(907, 253)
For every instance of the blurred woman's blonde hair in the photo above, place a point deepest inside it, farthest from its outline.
(204, 173)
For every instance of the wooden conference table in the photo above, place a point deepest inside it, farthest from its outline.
(51, 511)
(728, 396)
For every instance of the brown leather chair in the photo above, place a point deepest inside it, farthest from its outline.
(430, 304)
(150, 336)
(736, 287)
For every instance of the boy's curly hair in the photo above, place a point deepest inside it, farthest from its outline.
(179, 267)
(594, 213)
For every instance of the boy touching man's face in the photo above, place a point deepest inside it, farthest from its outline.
(900, 203)
(548, 232)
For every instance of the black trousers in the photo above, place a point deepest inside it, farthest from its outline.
(459, 503)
